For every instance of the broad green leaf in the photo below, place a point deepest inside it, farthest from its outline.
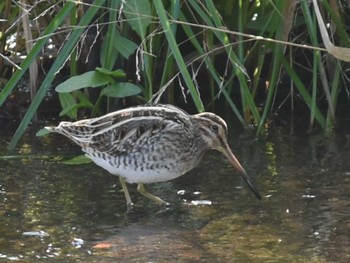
(82, 97)
(81, 159)
(90, 79)
(119, 73)
(65, 52)
(42, 132)
(67, 101)
(72, 108)
(121, 90)
(139, 15)
(124, 46)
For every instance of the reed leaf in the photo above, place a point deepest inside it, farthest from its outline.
(60, 60)
(213, 72)
(335, 89)
(32, 56)
(213, 20)
(108, 56)
(139, 15)
(177, 55)
(169, 64)
(303, 91)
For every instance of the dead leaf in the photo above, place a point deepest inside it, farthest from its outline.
(102, 246)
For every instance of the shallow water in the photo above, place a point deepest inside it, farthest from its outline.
(50, 211)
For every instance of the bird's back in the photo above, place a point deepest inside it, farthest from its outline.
(138, 143)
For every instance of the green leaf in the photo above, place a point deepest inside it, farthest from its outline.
(121, 90)
(303, 91)
(64, 53)
(174, 47)
(124, 46)
(119, 73)
(32, 56)
(70, 109)
(67, 103)
(90, 79)
(108, 57)
(139, 15)
(81, 159)
(82, 97)
(42, 132)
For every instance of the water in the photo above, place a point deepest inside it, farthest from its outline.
(54, 212)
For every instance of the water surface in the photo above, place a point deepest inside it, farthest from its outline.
(50, 211)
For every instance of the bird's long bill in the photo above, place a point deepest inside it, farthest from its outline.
(233, 160)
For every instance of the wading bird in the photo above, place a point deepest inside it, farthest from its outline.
(150, 144)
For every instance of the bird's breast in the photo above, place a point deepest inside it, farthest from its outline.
(156, 164)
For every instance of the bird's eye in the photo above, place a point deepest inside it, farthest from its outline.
(214, 128)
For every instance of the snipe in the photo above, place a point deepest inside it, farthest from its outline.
(149, 144)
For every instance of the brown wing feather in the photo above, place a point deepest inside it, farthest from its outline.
(126, 130)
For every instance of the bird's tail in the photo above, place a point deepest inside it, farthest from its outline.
(61, 128)
(51, 128)
(77, 133)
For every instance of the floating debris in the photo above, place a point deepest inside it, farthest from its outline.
(102, 246)
(201, 202)
(77, 242)
(181, 192)
(39, 233)
(308, 196)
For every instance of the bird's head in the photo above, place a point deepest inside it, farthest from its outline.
(213, 131)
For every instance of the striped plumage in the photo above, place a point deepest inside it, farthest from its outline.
(148, 144)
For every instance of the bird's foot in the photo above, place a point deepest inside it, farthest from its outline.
(159, 201)
(129, 206)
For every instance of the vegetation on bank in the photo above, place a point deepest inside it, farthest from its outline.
(257, 57)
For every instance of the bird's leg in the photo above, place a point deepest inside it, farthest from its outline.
(126, 192)
(142, 190)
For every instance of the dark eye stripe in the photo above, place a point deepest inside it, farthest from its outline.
(221, 141)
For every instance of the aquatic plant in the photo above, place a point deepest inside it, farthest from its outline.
(261, 58)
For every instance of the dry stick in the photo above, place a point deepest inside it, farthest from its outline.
(33, 69)
(250, 36)
(11, 63)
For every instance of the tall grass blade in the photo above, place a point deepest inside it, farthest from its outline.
(303, 91)
(32, 56)
(323, 75)
(330, 121)
(139, 15)
(213, 72)
(108, 56)
(213, 20)
(60, 60)
(177, 54)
